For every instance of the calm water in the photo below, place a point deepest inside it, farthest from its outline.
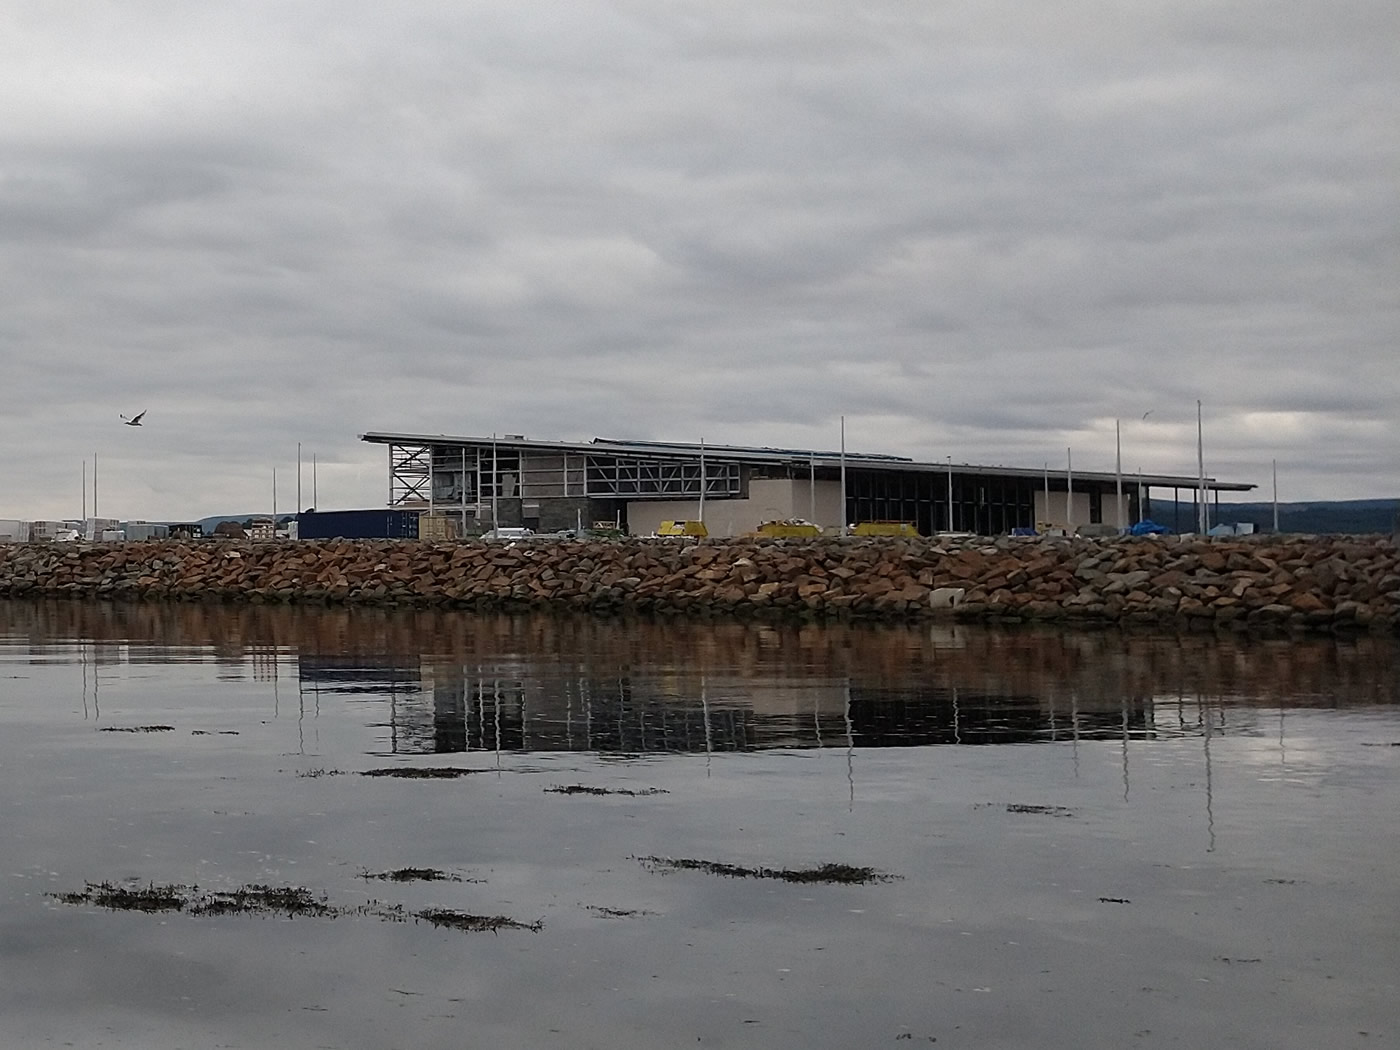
(1097, 840)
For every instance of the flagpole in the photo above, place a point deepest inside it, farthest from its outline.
(1069, 491)
(1202, 517)
(701, 518)
(1118, 467)
(843, 475)
(951, 526)
(1275, 496)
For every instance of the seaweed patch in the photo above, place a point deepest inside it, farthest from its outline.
(137, 729)
(845, 874)
(584, 789)
(413, 875)
(425, 773)
(461, 920)
(148, 898)
(1045, 811)
(258, 899)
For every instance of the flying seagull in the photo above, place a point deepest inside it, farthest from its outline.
(134, 421)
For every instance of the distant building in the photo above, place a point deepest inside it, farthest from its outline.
(483, 483)
(141, 530)
(96, 530)
(262, 529)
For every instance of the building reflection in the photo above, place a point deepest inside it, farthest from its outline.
(439, 681)
(440, 706)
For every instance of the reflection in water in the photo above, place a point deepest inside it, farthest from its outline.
(452, 682)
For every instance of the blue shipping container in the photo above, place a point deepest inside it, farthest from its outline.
(358, 525)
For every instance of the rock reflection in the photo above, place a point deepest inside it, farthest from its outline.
(454, 682)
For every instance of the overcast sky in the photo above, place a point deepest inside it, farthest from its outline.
(984, 230)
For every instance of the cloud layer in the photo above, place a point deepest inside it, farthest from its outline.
(984, 231)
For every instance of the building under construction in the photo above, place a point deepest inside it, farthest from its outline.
(549, 486)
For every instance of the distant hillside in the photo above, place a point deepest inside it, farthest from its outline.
(1328, 517)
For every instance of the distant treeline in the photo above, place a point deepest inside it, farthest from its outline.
(1334, 517)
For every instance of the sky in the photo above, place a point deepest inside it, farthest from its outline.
(989, 230)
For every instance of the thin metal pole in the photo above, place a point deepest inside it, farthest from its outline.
(85, 488)
(1275, 495)
(462, 485)
(495, 485)
(701, 517)
(297, 508)
(314, 504)
(812, 489)
(843, 475)
(1047, 491)
(1202, 519)
(1069, 490)
(1118, 468)
(951, 526)
(94, 485)
(274, 503)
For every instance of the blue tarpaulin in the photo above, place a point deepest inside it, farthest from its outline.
(1148, 528)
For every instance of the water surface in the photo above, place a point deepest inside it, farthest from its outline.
(1095, 839)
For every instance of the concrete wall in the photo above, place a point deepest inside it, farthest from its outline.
(767, 500)
(1080, 508)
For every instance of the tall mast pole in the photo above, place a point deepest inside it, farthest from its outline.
(701, 519)
(297, 508)
(1202, 519)
(1118, 467)
(843, 475)
(951, 526)
(1047, 491)
(812, 489)
(1069, 490)
(1275, 496)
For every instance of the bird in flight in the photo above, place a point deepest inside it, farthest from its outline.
(134, 421)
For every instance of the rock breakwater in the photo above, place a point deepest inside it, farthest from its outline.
(1308, 583)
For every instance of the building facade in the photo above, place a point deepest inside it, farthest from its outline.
(549, 486)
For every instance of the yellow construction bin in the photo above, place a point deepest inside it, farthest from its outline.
(885, 528)
(790, 529)
(682, 528)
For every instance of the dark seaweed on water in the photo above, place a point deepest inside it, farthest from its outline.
(413, 875)
(137, 729)
(460, 920)
(150, 898)
(846, 874)
(425, 773)
(257, 899)
(583, 789)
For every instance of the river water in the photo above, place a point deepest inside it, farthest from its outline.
(1073, 839)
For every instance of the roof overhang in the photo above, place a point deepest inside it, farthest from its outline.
(793, 458)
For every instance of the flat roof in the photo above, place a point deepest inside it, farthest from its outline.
(788, 457)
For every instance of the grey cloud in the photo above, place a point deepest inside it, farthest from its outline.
(983, 231)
